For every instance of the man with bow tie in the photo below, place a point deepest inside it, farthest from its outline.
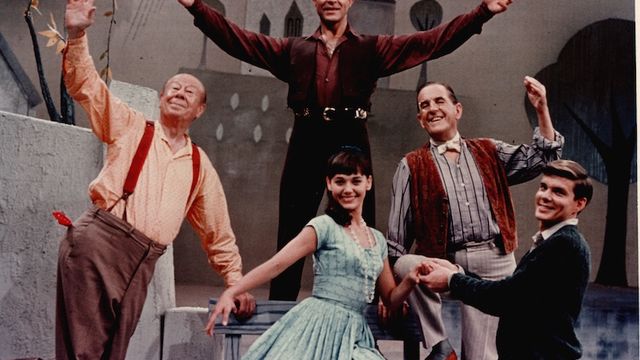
(451, 197)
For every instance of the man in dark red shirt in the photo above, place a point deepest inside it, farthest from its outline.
(331, 75)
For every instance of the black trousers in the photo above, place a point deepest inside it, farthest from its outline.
(302, 186)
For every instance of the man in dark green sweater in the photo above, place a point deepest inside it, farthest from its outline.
(539, 304)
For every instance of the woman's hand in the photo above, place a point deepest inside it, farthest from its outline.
(224, 307)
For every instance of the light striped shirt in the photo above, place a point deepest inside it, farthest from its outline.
(470, 216)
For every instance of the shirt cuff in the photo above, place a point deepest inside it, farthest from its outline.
(460, 271)
(196, 7)
(544, 143)
(484, 13)
(77, 48)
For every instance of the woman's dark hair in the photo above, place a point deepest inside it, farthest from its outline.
(348, 160)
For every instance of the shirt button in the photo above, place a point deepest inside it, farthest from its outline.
(467, 203)
(326, 79)
(462, 184)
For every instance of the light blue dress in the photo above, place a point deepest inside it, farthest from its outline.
(330, 324)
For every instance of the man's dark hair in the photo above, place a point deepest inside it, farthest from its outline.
(348, 160)
(452, 94)
(582, 186)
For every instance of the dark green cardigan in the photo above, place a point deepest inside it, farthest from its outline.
(539, 304)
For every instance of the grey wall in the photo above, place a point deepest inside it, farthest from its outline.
(487, 72)
(242, 107)
(11, 98)
(44, 167)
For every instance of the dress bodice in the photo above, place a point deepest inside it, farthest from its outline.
(344, 272)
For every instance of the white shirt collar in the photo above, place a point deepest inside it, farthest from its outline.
(550, 231)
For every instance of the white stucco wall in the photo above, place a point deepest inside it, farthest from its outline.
(44, 166)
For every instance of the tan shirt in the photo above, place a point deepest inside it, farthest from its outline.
(159, 204)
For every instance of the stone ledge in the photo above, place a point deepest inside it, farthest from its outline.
(184, 338)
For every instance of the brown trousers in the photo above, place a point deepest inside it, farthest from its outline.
(104, 268)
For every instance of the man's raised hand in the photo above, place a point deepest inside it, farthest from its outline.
(79, 15)
(536, 92)
(497, 6)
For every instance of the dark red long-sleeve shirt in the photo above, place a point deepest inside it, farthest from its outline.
(396, 52)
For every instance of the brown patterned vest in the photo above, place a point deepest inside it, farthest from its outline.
(430, 205)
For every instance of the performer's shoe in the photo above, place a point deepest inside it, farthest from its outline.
(442, 351)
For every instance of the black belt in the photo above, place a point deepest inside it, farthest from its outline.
(331, 113)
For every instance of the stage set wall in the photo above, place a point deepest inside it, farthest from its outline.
(486, 72)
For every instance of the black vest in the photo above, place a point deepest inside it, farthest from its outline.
(358, 70)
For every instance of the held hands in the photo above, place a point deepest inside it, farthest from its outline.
(537, 93)
(429, 273)
(242, 305)
(497, 6)
(437, 279)
(79, 15)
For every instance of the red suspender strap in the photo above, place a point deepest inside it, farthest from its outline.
(196, 167)
(138, 160)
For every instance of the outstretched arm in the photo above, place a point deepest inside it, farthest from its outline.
(537, 94)
(393, 295)
(401, 52)
(302, 245)
(524, 162)
(254, 48)
(79, 15)
(110, 118)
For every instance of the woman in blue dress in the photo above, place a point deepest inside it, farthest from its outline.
(349, 261)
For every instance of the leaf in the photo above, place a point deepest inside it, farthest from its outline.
(49, 33)
(52, 41)
(60, 47)
(108, 13)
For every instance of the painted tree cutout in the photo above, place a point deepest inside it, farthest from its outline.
(425, 15)
(591, 93)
